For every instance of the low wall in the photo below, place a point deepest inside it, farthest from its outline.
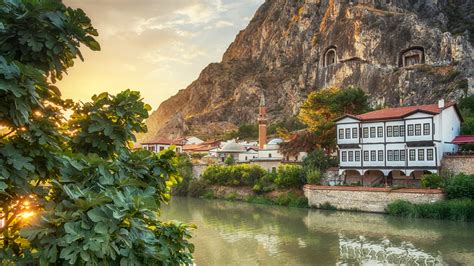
(457, 164)
(367, 199)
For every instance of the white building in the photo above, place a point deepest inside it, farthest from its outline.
(160, 144)
(396, 144)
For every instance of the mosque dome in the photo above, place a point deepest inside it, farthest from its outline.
(275, 141)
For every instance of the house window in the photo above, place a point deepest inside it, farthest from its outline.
(366, 156)
(372, 132)
(162, 148)
(402, 155)
(402, 131)
(396, 131)
(389, 131)
(379, 132)
(410, 130)
(426, 129)
(344, 156)
(348, 133)
(178, 150)
(351, 156)
(341, 133)
(357, 156)
(396, 155)
(296, 158)
(354, 132)
(366, 132)
(421, 155)
(380, 155)
(269, 155)
(373, 156)
(429, 154)
(152, 148)
(390, 155)
(412, 155)
(418, 130)
(330, 56)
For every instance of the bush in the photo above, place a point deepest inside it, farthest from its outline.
(433, 181)
(184, 168)
(233, 175)
(197, 188)
(313, 176)
(318, 159)
(289, 176)
(266, 183)
(461, 186)
(456, 210)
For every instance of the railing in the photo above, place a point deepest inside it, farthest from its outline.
(459, 153)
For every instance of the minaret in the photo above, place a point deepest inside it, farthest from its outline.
(262, 123)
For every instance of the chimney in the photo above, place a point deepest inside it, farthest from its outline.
(441, 104)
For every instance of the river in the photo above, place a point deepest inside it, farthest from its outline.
(236, 233)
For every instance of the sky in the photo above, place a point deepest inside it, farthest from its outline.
(154, 46)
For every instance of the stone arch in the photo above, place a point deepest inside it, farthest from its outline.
(412, 56)
(330, 56)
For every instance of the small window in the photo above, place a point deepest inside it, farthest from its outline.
(246, 158)
(366, 156)
(380, 155)
(351, 156)
(366, 132)
(354, 132)
(178, 150)
(379, 132)
(429, 154)
(421, 155)
(296, 158)
(418, 130)
(410, 130)
(344, 156)
(396, 155)
(373, 156)
(357, 156)
(396, 131)
(274, 169)
(162, 148)
(390, 155)
(389, 131)
(269, 155)
(402, 131)
(341, 133)
(402, 155)
(372, 132)
(426, 129)
(412, 155)
(348, 133)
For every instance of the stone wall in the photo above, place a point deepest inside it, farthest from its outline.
(198, 169)
(367, 199)
(458, 164)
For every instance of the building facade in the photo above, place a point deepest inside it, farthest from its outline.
(161, 144)
(397, 143)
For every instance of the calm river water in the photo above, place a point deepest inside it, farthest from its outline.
(233, 233)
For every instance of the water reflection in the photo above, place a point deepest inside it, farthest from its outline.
(246, 234)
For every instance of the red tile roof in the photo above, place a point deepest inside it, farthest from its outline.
(463, 140)
(399, 112)
(199, 147)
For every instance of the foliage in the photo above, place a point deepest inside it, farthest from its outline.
(466, 105)
(197, 188)
(313, 176)
(289, 199)
(433, 181)
(457, 210)
(77, 191)
(317, 159)
(233, 175)
(327, 206)
(318, 113)
(184, 167)
(229, 160)
(289, 176)
(460, 186)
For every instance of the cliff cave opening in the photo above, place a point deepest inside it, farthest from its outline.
(412, 56)
(330, 57)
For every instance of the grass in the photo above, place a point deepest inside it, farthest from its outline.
(455, 210)
(290, 199)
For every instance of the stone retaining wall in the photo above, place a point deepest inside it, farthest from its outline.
(457, 164)
(367, 199)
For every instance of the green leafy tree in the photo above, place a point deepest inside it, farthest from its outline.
(466, 105)
(74, 192)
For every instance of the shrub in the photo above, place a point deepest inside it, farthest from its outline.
(327, 206)
(461, 186)
(184, 168)
(197, 188)
(289, 176)
(433, 181)
(229, 160)
(313, 176)
(456, 210)
(318, 159)
(266, 183)
(233, 175)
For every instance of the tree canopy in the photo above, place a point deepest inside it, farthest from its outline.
(73, 191)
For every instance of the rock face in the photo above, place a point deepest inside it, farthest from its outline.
(293, 47)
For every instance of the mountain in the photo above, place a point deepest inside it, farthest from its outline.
(401, 52)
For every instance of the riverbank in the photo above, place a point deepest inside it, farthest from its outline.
(281, 197)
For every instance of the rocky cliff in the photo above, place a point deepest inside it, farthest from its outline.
(400, 52)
